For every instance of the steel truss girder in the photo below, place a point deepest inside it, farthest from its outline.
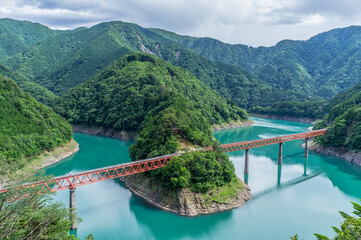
(71, 181)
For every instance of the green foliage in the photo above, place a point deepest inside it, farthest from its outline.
(27, 128)
(350, 229)
(16, 36)
(345, 120)
(307, 109)
(132, 90)
(157, 138)
(201, 171)
(34, 217)
(40, 93)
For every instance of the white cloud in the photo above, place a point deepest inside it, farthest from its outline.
(252, 22)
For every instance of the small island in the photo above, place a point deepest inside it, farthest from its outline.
(192, 184)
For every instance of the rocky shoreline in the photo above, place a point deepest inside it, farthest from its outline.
(348, 155)
(185, 202)
(286, 118)
(47, 158)
(233, 124)
(106, 132)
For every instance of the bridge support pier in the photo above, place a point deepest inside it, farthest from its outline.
(72, 206)
(246, 178)
(279, 173)
(305, 167)
(246, 162)
(306, 147)
(280, 154)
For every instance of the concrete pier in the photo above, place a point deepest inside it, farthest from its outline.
(246, 162)
(305, 167)
(279, 173)
(280, 153)
(246, 178)
(306, 147)
(72, 206)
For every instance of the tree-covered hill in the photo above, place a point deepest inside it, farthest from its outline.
(134, 89)
(16, 36)
(324, 65)
(40, 93)
(27, 128)
(344, 118)
(68, 59)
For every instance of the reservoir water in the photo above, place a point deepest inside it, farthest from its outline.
(110, 211)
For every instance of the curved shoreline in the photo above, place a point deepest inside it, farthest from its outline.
(45, 159)
(124, 135)
(233, 124)
(285, 118)
(184, 202)
(49, 158)
(102, 131)
(347, 155)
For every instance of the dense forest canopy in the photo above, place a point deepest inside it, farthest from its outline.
(134, 89)
(344, 119)
(27, 127)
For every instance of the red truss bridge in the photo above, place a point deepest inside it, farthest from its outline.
(72, 181)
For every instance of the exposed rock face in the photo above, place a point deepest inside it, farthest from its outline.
(185, 202)
(286, 118)
(232, 124)
(107, 132)
(349, 155)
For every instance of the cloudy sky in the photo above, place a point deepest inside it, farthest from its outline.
(251, 22)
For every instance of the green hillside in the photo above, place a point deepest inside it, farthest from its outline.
(40, 93)
(344, 119)
(27, 128)
(16, 36)
(66, 60)
(324, 65)
(134, 88)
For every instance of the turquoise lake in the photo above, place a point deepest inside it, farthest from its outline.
(110, 211)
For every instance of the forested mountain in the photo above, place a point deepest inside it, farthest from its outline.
(344, 118)
(16, 36)
(68, 59)
(134, 88)
(139, 93)
(324, 65)
(27, 127)
(40, 93)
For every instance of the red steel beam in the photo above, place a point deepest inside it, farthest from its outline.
(80, 179)
(231, 147)
(101, 174)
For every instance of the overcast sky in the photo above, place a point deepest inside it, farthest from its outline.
(250, 22)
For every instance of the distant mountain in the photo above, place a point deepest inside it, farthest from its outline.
(68, 59)
(16, 36)
(324, 65)
(28, 128)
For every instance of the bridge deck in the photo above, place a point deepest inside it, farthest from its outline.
(72, 181)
